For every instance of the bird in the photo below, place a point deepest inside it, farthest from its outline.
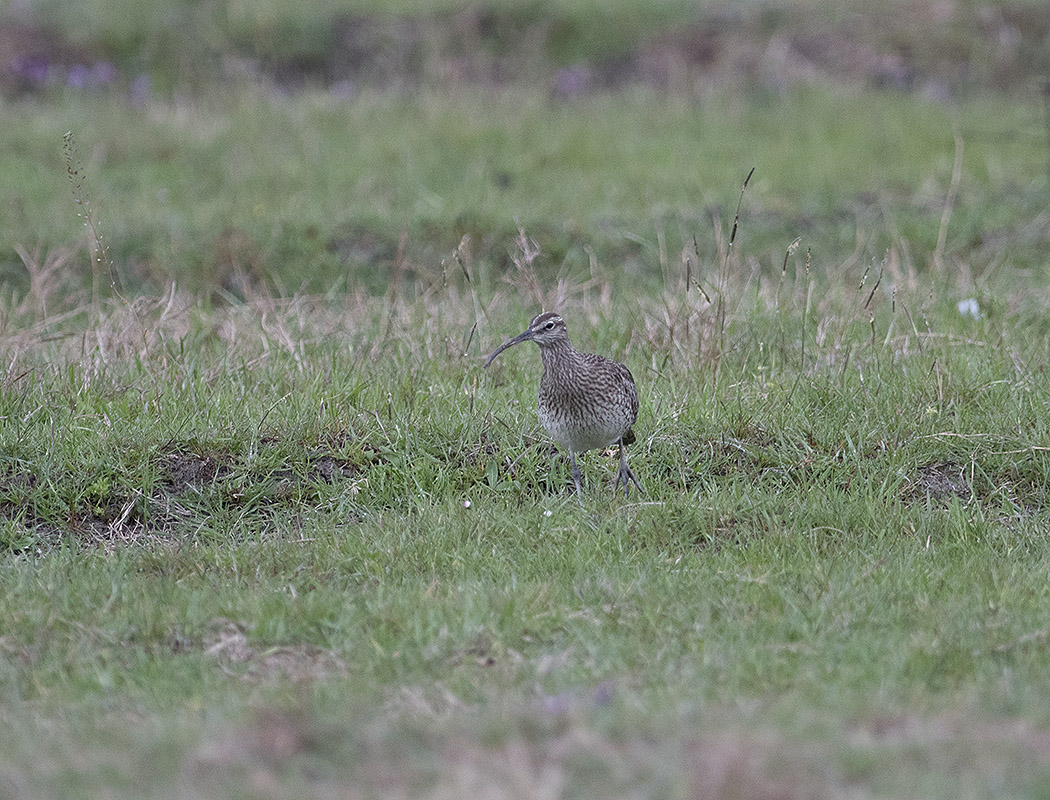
(586, 401)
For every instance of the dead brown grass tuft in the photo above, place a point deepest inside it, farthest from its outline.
(753, 767)
(228, 644)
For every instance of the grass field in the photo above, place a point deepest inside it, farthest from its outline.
(268, 529)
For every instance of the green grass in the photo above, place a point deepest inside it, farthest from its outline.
(269, 529)
(239, 544)
(309, 192)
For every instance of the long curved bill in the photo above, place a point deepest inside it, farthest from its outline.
(521, 337)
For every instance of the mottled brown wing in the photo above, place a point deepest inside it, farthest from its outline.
(622, 382)
(631, 389)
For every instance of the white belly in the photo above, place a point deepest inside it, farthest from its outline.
(580, 436)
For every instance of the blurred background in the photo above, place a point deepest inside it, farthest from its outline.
(322, 144)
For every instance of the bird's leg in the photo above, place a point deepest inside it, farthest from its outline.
(626, 475)
(576, 476)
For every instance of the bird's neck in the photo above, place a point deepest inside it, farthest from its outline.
(558, 354)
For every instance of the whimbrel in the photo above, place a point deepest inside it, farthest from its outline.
(585, 401)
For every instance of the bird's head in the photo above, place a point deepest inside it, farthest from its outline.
(546, 330)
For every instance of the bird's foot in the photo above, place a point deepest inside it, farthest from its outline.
(626, 476)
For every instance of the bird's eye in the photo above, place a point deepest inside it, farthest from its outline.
(550, 325)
